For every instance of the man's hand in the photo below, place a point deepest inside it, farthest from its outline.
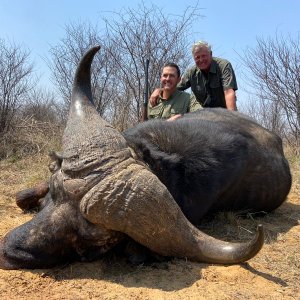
(154, 97)
(175, 117)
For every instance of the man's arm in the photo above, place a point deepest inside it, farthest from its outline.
(185, 81)
(230, 99)
(154, 97)
(229, 86)
(194, 105)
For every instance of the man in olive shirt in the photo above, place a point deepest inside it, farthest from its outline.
(212, 79)
(172, 103)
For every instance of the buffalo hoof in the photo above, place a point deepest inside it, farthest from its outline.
(29, 198)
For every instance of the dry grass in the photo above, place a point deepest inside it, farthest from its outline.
(30, 137)
(273, 274)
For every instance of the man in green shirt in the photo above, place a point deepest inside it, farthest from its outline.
(212, 79)
(171, 103)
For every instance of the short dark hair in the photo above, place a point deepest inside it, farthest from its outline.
(173, 65)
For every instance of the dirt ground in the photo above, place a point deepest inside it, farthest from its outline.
(273, 274)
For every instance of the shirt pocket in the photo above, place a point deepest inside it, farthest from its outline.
(178, 109)
(198, 89)
(200, 93)
(156, 111)
(214, 83)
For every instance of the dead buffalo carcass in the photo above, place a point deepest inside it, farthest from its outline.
(214, 160)
(106, 188)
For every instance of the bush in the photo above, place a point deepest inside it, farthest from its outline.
(30, 137)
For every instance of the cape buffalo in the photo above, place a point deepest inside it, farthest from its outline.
(106, 186)
(214, 160)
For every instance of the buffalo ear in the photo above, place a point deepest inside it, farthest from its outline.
(56, 161)
(29, 198)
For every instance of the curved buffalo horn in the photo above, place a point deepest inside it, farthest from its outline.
(90, 144)
(135, 202)
(81, 92)
(123, 195)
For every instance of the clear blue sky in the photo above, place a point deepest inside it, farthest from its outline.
(230, 25)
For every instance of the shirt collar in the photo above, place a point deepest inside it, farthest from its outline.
(172, 96)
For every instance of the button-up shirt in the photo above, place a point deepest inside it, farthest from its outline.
(209, 88)
(178, 103)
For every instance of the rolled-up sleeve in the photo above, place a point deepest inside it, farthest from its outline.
(185, 82)
(194, 105)
(228, 77)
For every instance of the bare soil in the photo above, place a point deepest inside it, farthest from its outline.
(273, 274)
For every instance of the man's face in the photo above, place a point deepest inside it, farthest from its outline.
(169, 78)
(202, 58)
